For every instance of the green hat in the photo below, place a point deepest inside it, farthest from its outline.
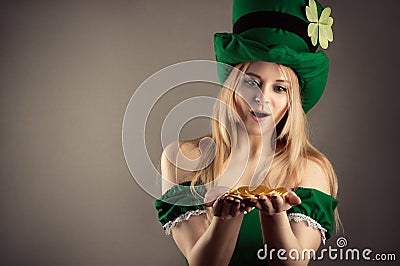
(287, 32)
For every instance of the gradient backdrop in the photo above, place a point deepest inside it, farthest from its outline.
(68, 70)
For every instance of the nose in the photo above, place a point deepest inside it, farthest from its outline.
(261, 100)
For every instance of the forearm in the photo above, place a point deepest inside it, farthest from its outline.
(277, 234)
(216, 245)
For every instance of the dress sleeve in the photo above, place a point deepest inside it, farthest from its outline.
(178, 204)
(317, 209)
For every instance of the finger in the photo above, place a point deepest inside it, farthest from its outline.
(290, 201)
(235, 207)
(242, 206)
(209, 203)
(248, 209)
(217, 206)
(260, 203)
(253, 202)
(277, 202)
(226, 208)
(245, 205)
(265, 204)
(292, 198)
(249, 205)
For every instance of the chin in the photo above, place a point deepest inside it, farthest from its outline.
(260, 131)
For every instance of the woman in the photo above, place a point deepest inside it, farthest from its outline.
(277, 77)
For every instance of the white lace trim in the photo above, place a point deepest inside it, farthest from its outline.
(298, 217)
(183, 217)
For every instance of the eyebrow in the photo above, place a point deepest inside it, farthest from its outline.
(259, 77)
(249, 73)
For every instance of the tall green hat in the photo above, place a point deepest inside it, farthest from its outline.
(287, 32)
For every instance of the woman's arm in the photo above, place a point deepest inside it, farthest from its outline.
(204, 244)
(279, 233)
(282, 237)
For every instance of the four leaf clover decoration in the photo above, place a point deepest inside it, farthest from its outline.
(319, 29)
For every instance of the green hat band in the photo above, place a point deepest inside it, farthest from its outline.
(272, 19)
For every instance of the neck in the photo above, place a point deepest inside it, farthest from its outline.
(257, 146)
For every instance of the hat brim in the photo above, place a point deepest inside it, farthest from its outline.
(311, 68)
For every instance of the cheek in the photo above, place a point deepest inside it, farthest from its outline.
(282, 102)
(239, 106)
(280, 109)
(247, 95)
(241, 102)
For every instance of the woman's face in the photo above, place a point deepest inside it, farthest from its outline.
(261, 96)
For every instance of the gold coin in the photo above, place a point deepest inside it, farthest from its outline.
(244, 193)
(234, 193)
(260, 190)
(281, 191)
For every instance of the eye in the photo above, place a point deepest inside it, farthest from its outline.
(251, 82)
(280, 89)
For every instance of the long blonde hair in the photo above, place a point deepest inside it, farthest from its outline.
(292, 141)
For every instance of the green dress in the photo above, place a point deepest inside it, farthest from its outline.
(179, 203)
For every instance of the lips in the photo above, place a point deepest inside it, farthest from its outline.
(260, 114)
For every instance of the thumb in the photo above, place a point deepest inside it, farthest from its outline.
(292, 198)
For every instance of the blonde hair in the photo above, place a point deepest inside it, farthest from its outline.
(292, 141)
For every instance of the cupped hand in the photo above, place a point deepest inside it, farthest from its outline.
(225, 207)
(276, 203)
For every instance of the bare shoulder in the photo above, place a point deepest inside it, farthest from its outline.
(177, 159)
(314, 174)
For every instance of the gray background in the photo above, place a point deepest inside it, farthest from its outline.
(68, 70)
